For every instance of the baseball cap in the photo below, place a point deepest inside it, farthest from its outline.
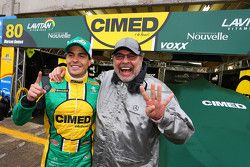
(79, 41)
(128, 43)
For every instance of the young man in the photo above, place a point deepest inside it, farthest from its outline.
(129, 120)
(70, 109)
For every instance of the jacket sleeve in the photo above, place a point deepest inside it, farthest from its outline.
(175, 124)
(103, 76)
(22, 112)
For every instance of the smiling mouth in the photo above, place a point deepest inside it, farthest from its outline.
(75, 67)
(126, 69)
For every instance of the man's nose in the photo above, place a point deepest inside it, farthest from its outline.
(75, 58)
(125, 59)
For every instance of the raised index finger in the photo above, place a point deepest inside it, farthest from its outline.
(39, 78)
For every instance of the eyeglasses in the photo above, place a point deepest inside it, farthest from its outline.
(120, 56)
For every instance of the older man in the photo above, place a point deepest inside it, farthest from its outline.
(133, 109)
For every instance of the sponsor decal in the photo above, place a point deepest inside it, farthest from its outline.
(75, 118)
(207, 36)
(72, 119)
(133, 24)
(108, 29)
(75, 81)
(52, 90)
(93, 82)
(7, 58)
(224, 104)
(93, 89)
(6, 91)
(173, 46)
(6, 41)
(5, 81)
(241, 24)
(48, 24)
(59, 90)
(59, 35)
(54, 142)
(78, 41)
(6, 68)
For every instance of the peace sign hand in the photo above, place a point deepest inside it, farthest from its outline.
(36, 90)
(155, 106)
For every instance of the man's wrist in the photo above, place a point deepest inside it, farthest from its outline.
(157, 121)
(27, 103)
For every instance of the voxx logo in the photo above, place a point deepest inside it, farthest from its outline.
(173, 46)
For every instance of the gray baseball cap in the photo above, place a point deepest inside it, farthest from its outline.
(128, 43)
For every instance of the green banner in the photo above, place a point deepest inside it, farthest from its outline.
(51, 32)
(213, 32)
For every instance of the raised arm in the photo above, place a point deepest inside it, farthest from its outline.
(22, 111)
(172, 121)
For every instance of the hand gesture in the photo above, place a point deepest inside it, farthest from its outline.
(155, 106)
(36, 90)
(57, 74)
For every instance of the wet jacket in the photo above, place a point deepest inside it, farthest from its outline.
(125, 135)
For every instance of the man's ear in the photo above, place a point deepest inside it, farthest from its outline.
(142, 57)
(91, 62)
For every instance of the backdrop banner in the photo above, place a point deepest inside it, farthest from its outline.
(212, 32)
(6, 70)
(52, 32)
(1, 24)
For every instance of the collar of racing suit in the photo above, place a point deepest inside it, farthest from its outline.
(71, 79)
(134, 85)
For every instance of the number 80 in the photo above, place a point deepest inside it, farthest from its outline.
(12, 30)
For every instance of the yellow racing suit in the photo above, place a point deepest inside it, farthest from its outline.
(69, 121)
